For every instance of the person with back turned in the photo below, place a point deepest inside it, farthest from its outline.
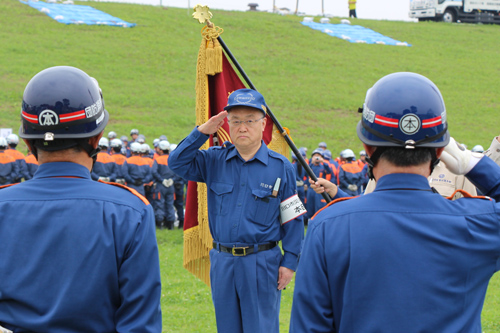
(403, 258)
(76, 255)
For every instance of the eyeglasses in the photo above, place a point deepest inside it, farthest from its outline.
(248, 123)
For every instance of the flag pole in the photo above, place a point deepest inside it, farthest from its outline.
(282, 131)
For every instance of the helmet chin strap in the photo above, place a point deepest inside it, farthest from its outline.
(84, 143)
(373, 159)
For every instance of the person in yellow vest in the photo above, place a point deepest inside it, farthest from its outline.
(352, 8)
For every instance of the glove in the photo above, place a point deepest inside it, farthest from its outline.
(104, 179)
(458, 159)
(138, 182)
(300, 183)
(167, 182)
(120, 181)
(352, 187)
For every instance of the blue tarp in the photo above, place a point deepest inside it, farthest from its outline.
(76, 14)
(354, 33)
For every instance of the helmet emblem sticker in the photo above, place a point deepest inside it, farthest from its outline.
(244, 98)
(48, 118)
(409, 124)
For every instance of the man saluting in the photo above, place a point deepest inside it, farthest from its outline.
(252, 205)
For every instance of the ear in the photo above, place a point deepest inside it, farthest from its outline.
(32, 150)
(264, 122)
(94, 141)
(439, 151)
(369, 149)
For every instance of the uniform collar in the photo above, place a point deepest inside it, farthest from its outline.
(406, 181)
(261, 155)
(62, 169)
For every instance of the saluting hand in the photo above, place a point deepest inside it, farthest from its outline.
(213, 124)
(284, 277)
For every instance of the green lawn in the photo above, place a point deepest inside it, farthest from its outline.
(314, 84)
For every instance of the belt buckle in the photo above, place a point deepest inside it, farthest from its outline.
(239, 248)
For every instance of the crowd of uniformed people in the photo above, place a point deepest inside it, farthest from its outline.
(129, 162)
(132, 162)
(349, 173)
(346, 171)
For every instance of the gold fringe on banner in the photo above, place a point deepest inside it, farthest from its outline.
(278, 143)
(198, 240)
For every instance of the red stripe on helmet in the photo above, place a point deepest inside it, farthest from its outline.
(29, 117)
(431, 122)
(384, 121)
(72, 116)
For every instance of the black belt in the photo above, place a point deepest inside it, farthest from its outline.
(245, 250)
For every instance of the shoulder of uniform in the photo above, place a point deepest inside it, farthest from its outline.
(131, 190)
(9, 185)
(466, 194)
(278, 156)
(332, 203)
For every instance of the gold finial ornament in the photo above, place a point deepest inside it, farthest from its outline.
(202, 14)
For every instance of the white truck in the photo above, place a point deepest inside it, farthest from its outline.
(466, 11)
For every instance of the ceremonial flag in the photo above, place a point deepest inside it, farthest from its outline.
(215, 81)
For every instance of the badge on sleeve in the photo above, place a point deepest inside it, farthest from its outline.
(291, 208)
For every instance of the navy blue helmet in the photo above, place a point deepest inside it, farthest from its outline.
(62, 103)
(404, 110)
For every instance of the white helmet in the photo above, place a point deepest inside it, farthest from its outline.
(12, 139)
(3, 143)
(476, 149)
(112, 135)
(135, 147)
(116, 143)
(141, 140)
(173, 146)
(347, 153)
(103, 142)
(156, 142)
(164, 145)
(145, 148)
(362, 153)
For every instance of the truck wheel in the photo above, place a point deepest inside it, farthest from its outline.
(449, 16)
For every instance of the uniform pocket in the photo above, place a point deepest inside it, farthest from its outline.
(221, 193)
(266, 207)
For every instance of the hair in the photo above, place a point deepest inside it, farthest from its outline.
(57, 145)
(403, 157)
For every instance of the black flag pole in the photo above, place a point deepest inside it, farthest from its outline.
(282, 131)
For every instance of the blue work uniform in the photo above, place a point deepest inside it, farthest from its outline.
(104, 166)
(301, 180)
(9, 169)
(162, 171)
(400, 259)
(22, 168)
(77, 255)
(351, 174)
(31, 164)
(137, 172)
(242, 212)
(179, 183)
(314, 200)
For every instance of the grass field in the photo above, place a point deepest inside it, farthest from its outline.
(314, 84)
